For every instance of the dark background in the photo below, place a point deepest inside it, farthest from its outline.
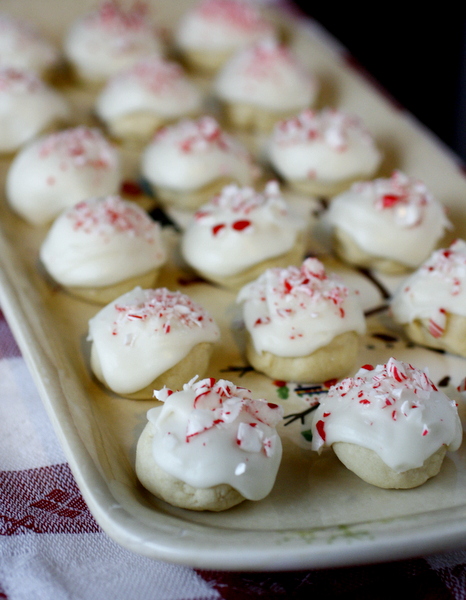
(418, 56)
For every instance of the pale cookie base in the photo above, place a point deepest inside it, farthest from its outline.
(347, 249)
(190, 199)
(453, 339)
(196, 362)
(332, 361)
(253, 118)
(173, 490)
(109, 293)
(140, 126)
(368, 465)
(238, 280)
(313, 187)
(204, 62)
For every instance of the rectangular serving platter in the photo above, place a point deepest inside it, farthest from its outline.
(318, 514)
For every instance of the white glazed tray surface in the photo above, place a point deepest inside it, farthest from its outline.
(318, 514)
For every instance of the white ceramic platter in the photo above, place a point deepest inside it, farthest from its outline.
(319, 514)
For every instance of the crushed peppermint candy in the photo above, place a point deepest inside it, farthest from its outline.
(306, 285)
(448, 264)
(329, 126)
(154, 73)
(219, 403)
(264, 60)
(236, 13)
(20, 82)
(406, 198)
(198, 135)
(113, 214)
(83, 147)
(237, 207)
(163, 310)
(112, 16)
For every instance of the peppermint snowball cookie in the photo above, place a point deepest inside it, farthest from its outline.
(148, 339)
(187, 163)
(431, 303)
(58, 170)
(23, 47)
(28, 107)
(140, 99)
(262, 84)
(389, 425)
(103, 247)
(240, 233)
(322, 153)
(391, 225)
(210, 446)
(210, 32)
(109, 39)
(302, 323)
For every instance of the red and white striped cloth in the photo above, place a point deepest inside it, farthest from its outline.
(51, 548)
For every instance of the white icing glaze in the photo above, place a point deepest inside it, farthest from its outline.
(151, 85)
(27, 107)
(238, 229)
(102, 241)
(60, 169)
(110, 39)
(23, 47)
(437, 287)
(213, 432)
(394, 410)
(327, 146)
(143, 333)
(219, 25)
(293, 312)
(266, 75)
(400, 208)
(191, 154)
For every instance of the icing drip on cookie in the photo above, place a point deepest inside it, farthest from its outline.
(193, 153)
(240, 228)
(213, 432)
(329, 145)
(374, 213)
(437, 287)
(144, 333)
(293, 312)
(393, 409)
(267, 75)
(102, 241)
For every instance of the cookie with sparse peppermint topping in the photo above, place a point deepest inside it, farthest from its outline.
(210, 446)
(431, 303)
(388, 424)
(391, 225)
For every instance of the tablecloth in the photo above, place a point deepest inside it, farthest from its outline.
(51, 548)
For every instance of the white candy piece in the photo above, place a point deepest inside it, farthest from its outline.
(395, 218)
(28, 106)
(240, 228)
(143, 333)
(393, 410)
(293, 312)
(56, 171)
(269, 76)
(329, 146)
(23, 47)
(191, 154)
(100, 242)
(152, 85)
(214, 432)
(109, 39)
